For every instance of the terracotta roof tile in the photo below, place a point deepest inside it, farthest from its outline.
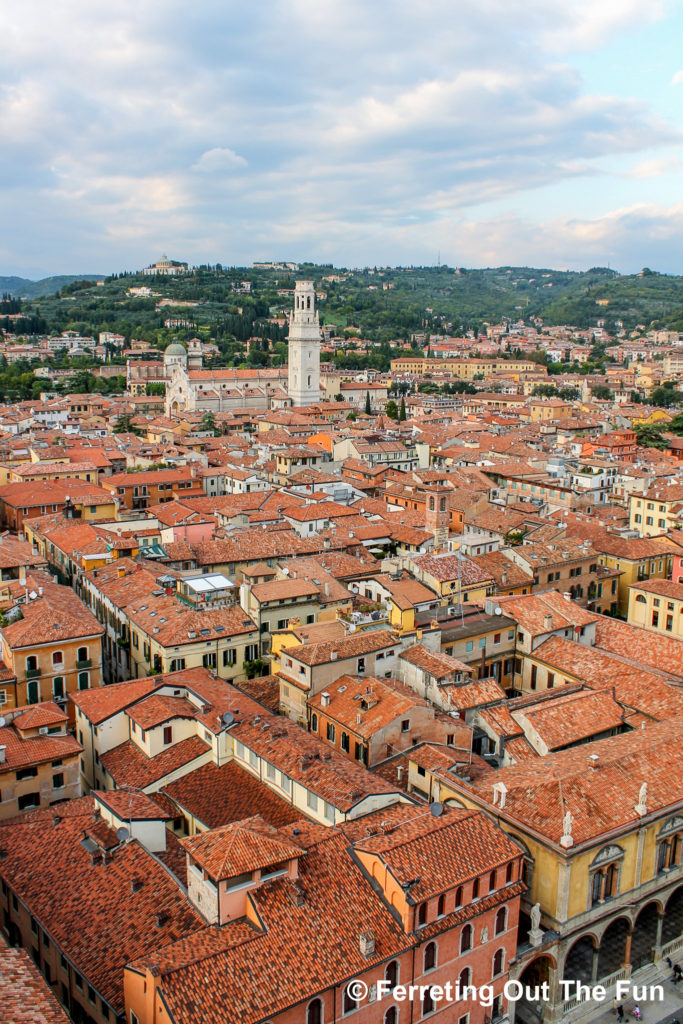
(241, 846)
(129, 766)
(87, 909)
(218, 796)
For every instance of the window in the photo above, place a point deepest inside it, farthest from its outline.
(534, 674)
(345, 742)
(492, 882)
(500, 923)
(58, 781)
(466, 938)
(391, 1016)
(330, 732)
(361, 665)
(229, 657)
(314, 722)
(270, 771)
(469, 646)
(314, 1013)
(58, 686)
(83, 680)
(209, 659)
(312, 800)
(498, 962)
(422, 915)
(427, 1003)
(168, 734)
(27, 773)
(551, 680)
(349, 1003)
(465, 979)
(458, 896)
(57, 658)
(405, 725)
(441, 906)
(285, 782)
(32, 663)
(430, 956)
(391, 973)
(82, 654)
(475, 889)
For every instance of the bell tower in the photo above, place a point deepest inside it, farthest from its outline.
(304, 347)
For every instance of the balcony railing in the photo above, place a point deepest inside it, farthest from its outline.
(84, 663)
(32, 673)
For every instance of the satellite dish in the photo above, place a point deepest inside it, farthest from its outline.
(497, 610)
(228, 718)
(122, 834)
(436, 809)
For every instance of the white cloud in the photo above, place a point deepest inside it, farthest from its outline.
(677, 78)
(219, 159)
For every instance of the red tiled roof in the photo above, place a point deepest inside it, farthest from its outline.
(218, 796)
(239, 847)
(87, 909)
(129, 766)
(25, 996)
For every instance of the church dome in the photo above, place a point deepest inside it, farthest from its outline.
(175, 350)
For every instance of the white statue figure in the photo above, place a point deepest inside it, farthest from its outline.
(567, 823)
(535, 915)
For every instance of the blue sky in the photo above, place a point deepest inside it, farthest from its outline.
(534, 132)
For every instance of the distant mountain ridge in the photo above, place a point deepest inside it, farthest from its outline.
(23, 287)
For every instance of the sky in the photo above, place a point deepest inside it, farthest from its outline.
(542, 133)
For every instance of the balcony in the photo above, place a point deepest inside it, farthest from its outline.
(84, 663)
(32, 673)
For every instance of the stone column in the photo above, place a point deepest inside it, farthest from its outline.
(627, 951)
(657, 949)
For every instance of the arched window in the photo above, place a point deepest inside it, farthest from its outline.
(475, 889)
(31, 663)
(640, 599)
(508, 873)
(458, 896)
(83, 680)
(391, 1016)
(57, 658)
(464, 980)
(314, 723)
(501, 921)
(427, 1003)
(604, 874)
(430, 956)
(466, 938)
(349, 1002)
(82, 653)
(391, 973)
(58, 686)
(421, 915)
(498, 962)
(32, 692)
(670, 844)
(314, 1013)
(492, 881)
(441, 907)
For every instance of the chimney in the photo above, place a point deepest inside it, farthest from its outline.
(547, 622)
(367, 944)
(324, 699)
(594, 760)
(504, 578)
(334, 655)
(327, 590)
(399, 773)
(3, 754)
